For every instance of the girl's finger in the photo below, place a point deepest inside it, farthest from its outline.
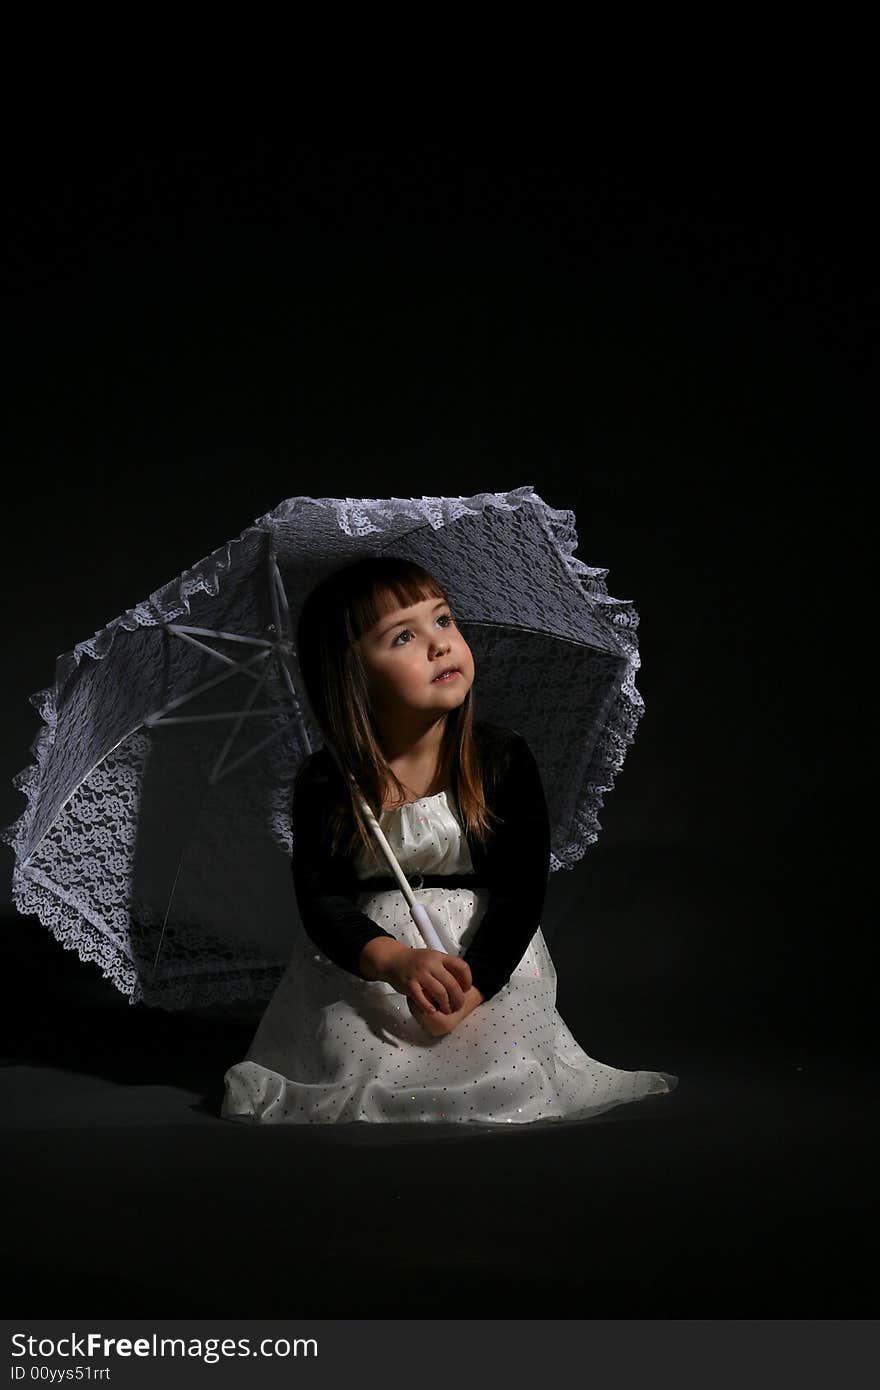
(422, 999)
(444, 1003)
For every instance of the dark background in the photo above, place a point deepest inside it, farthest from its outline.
(674, 347)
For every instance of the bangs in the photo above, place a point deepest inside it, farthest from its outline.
(387, 595)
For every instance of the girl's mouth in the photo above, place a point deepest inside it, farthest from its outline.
(450, 676)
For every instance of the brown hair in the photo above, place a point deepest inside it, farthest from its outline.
(335, 615)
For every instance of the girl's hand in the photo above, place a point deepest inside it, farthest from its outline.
(438, 1024)
(430, 979)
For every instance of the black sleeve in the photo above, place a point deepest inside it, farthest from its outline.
(517, 870)
(326, 886)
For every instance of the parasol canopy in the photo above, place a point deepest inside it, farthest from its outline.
(156, 838)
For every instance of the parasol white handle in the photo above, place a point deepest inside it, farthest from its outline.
(379, 834)
(434, 935)
(431, 933)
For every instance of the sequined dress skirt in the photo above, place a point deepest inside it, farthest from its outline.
(332, 1048)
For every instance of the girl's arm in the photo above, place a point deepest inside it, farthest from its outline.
(326, 886)
(517, 864)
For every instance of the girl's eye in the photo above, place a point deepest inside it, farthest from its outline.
(443, 618)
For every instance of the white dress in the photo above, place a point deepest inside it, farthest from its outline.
(332, 1048)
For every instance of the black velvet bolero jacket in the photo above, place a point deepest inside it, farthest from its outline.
(514, 866)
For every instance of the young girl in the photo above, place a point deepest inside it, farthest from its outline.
(368, 1023)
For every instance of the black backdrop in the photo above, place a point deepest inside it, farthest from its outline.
(675, 348)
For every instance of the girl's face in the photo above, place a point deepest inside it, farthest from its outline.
(405, 652)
